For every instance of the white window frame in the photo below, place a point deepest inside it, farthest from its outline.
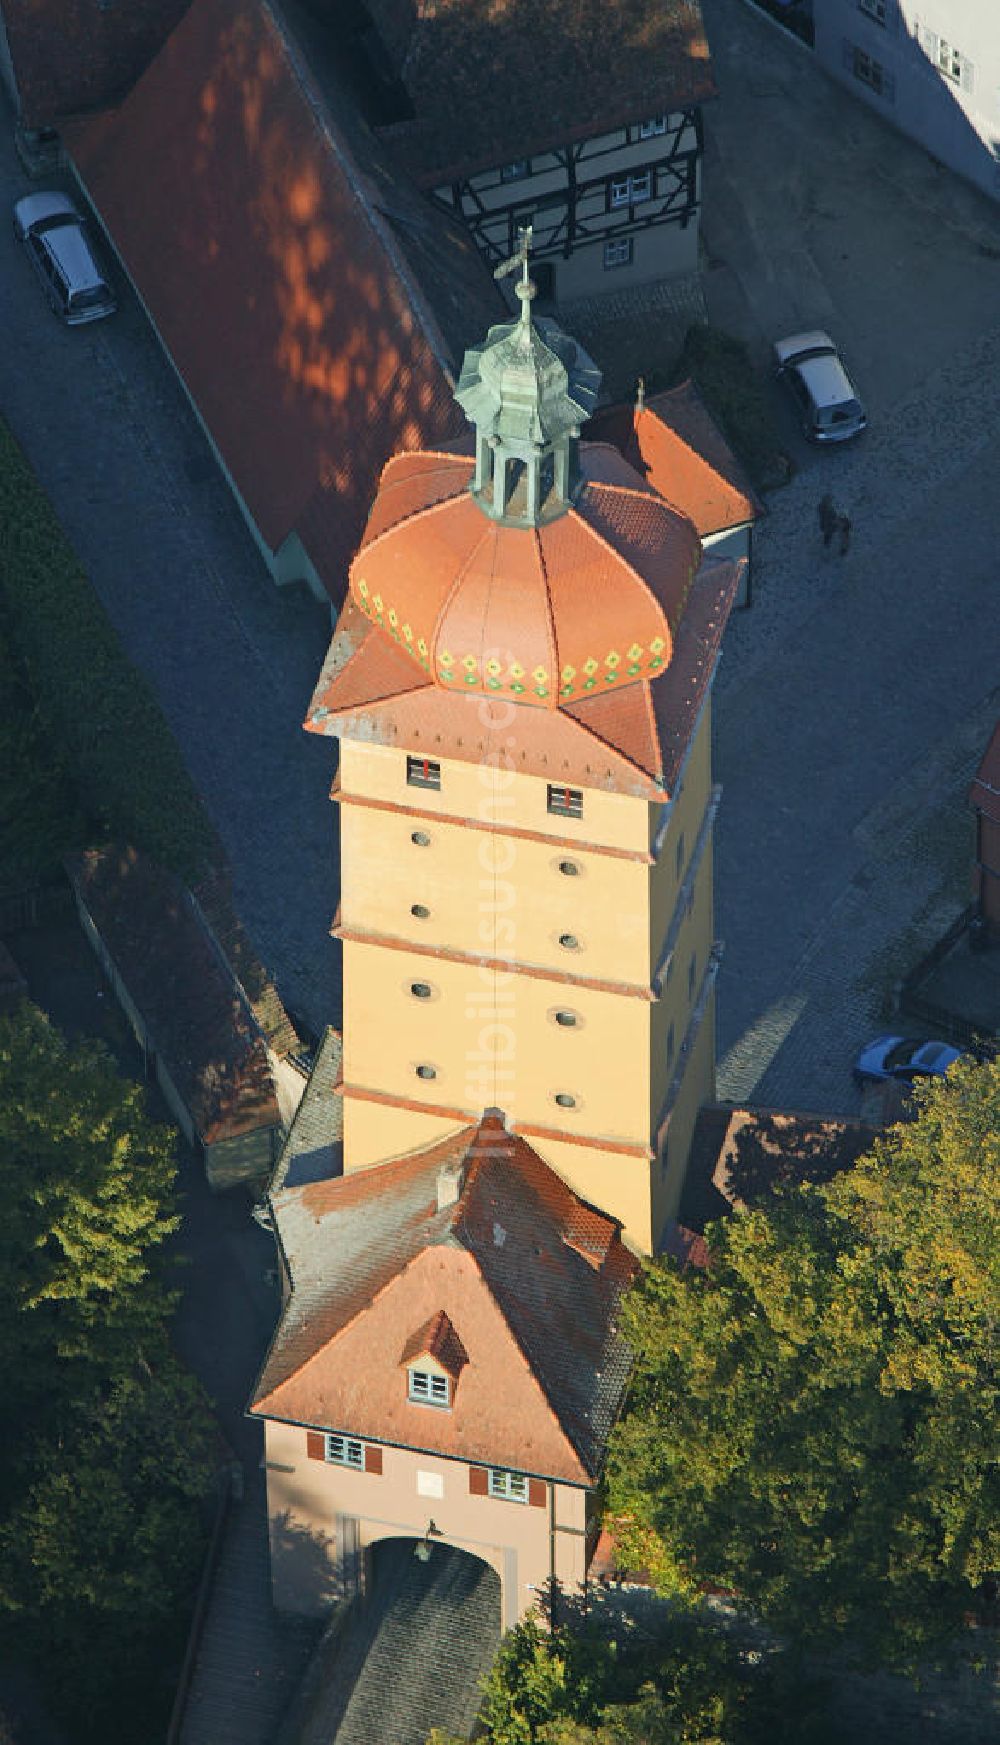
(510, 1487)
(655, 125)
(516, 171)
(426, 1388)
(621, 188)
(954, 64)
(617, 252)
(344, 1451)
(642, 186)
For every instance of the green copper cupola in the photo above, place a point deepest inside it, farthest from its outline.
(527, 389)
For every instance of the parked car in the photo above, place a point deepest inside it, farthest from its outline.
(827, 400)
(902, 1057)
(60, 251)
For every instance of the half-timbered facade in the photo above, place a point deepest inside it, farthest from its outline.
(580, 119)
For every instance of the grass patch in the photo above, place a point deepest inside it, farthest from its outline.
(732, 389)
(92, 720)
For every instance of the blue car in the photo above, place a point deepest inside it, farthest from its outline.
(903, 1057)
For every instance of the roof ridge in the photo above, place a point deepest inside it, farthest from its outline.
(359, 180)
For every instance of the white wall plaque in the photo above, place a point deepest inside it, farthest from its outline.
(430, 1484)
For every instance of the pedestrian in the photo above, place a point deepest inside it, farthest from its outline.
(828, 520)
(844, 527)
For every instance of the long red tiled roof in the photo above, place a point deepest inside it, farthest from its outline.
(674, 443)
(70, 59)
(278, 271)
(526, 1276)
(495, 80)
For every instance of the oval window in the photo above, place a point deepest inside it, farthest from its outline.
(420, 911)
(421, 838)
(568, 1020)
(569, 942)
(564, 1100)
(426, 1072)
(420, 990)
(570, 868)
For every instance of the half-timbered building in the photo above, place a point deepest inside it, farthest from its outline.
(581, 118)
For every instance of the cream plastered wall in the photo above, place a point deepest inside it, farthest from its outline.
(474, 1038)
(680, 989)
(665, 251)
(696, 1088)
(317, 1510)
(491, 794)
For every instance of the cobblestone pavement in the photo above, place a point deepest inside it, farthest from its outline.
(855, 696)
(101, 417)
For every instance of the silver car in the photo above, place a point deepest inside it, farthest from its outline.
(59, 249)
(820, 386)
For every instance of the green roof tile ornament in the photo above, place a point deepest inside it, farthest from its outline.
(527, 389)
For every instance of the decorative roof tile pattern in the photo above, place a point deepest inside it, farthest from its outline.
(541, 615)
(628, 741)
(307, 299)
(495, 80)
(198, 1019)
(674, 443)
(527, 1276)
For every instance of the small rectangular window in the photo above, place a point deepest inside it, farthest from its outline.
(618, 252)
(516, 171)
(565, 802)
(642, 186)
(429, 1389)
(655, 125)
(422, 773)
(619, 190)
(512, 1486)
(345, 1451)
(869, 71)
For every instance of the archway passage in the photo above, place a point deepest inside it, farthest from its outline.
(415, 1651)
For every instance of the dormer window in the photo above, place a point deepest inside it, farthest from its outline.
(427, 1389)
(434, 1356)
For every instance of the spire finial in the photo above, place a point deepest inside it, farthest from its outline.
(526, 288)
(640, 394)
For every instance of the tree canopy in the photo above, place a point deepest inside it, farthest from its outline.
(812, 1421)
(110, 1443)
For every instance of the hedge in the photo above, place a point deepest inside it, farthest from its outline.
(107, 728)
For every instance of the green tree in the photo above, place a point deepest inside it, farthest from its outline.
(812, 1421)
(86, 1182)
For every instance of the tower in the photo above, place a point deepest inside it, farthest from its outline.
(520, 683)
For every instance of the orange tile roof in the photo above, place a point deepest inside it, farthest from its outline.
(606, 741)
(676, 446)
(306, 298)
(527, 1276)
(542, 615)
(437, 1338)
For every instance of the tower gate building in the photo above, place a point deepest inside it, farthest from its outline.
(520, 685)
